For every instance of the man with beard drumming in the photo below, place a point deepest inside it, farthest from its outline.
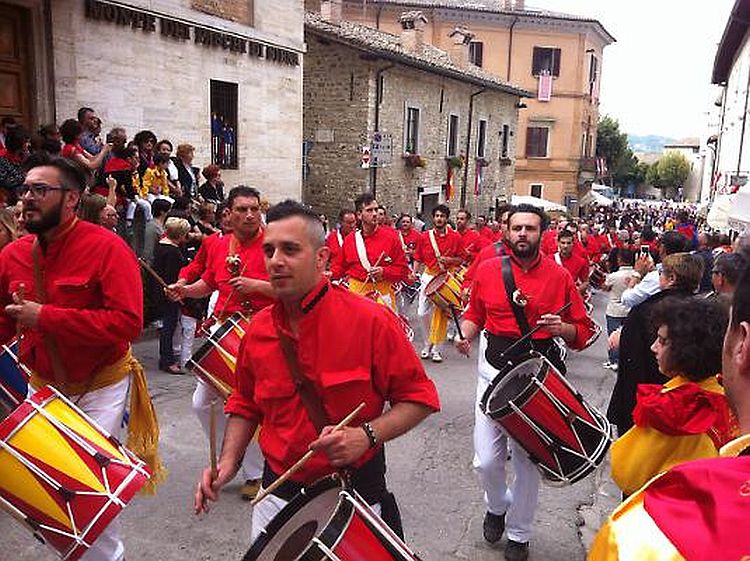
(73, 289)
(543, 288)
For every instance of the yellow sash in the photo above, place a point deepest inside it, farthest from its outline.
(143, 426)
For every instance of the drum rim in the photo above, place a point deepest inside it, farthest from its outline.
(213, 338)
(344, 509)
(433, 281)
(502, 373)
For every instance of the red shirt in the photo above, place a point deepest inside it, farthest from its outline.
(486, 232)
(333, 245)
(410, 240)
(94, 299)
(351, 348)
(449, 244)
(193, 270)
(578, 267)
(217, 274)
(487, 252)
(70, 150)
(472, 244)
(383, 241)
(546, 285)
(549, 242)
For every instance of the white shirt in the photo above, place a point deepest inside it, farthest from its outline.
(643, 290)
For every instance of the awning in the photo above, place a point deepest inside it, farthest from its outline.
(595, 198)
(739, 211)
(536, 201)
(718, 212)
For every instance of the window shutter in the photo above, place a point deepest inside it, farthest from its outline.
(556, 62)
(536, 62)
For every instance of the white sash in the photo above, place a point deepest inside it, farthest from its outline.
(557, 259)
(359, 241)
(401, 237)
(339, 238)
(435, 248)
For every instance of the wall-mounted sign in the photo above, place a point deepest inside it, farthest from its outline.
(185, 31)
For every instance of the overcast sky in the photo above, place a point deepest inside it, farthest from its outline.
(656, 77)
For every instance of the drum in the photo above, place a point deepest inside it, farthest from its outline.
(14, 380)
(62, 475)
(330, 521)
(215, 361)
(597, 331)
(564, 436)
(377, 297)
(597, 276)
(444, 291)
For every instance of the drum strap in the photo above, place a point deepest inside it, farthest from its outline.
(49, 342)
(510, 289)
(310, 398)
(435, 248)
(359, 242)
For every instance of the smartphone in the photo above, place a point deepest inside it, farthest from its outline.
(645, 251)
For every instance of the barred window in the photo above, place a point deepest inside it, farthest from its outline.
(536, 142)
(224, 124)
(476, 49)
(482, 138)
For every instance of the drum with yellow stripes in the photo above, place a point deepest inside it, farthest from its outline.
(445, 292)
(216, 360)
(63, 476)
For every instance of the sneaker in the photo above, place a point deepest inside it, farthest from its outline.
(436, 356)
(249, 489)
(613, 367)
(493, 527)
(516, 551)
(606, 364)
(426, 352)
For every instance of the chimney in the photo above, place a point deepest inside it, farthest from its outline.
(513, 5)
(459, 49)
(330, 11)
(412, 30)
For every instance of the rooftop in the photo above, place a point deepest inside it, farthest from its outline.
(496, 7)
(731, 41)
(388, 46)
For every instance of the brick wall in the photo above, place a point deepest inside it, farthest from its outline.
(339, 109)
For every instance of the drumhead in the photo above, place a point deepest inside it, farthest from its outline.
(435, 283)
(289, 535)
(513, 384)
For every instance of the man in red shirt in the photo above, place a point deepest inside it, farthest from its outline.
(470, 238)
(408, 236)
(543, 287)
(440, 251)
(78, 326)
(495, 249)
(335, 240)
(233, 266)
(577, 266)
(482, 228)
(372, 258)
(349, 350)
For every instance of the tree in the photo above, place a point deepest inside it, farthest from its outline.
(652, 175)
(611, 144)
(673, 170)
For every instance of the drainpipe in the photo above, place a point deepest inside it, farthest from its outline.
(468, 146)
(510, 46)
(378, 100)
(717, 148)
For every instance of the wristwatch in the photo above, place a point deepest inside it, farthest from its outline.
(371, 436)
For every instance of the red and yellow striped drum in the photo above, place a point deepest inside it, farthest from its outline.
(62, 475)
(446, 292)
(216, 360)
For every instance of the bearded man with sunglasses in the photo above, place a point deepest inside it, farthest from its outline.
(72, 290)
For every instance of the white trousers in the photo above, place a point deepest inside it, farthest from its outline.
(184, 336)
(107, 407)
(252, 463)
(491, 447)
(268, 508)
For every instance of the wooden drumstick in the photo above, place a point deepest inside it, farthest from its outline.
(377, 263)
(150, 270)
(21, 292)
(537, 328)
(303, 460)
(212, 440)
(231, 293)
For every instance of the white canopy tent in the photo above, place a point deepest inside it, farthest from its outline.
(739, 211)
(536, 201)
(596, 198)
(718, 212)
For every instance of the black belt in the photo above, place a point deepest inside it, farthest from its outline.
(368, 480)
(496, 345)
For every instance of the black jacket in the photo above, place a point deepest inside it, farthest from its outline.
(189, 186)
(637, 363)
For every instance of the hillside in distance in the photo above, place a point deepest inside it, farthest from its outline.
(648, 143)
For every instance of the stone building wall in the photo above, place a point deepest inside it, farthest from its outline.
(139, 79)
(339, 116)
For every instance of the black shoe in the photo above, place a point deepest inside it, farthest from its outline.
(516, 551)
(493, 527)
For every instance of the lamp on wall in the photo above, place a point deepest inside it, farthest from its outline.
(590, 51)
(521, 105)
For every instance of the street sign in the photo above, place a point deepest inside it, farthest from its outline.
(365, 163)
(382, 149)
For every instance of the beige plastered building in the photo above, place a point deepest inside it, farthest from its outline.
(557, 138)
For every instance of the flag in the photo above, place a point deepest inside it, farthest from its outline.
(545, 87)
(449, 184)
(478, 178)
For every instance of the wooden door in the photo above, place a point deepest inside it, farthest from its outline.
(15, 63)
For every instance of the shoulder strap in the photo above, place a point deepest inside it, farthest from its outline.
(499, 250)
(435, 248)
(510, 289)
(49, 341)
(558, 259)
(359, 242)
(306, 390)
